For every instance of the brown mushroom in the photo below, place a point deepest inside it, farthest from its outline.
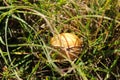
(68, 44)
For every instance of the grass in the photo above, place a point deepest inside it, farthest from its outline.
(27, 27)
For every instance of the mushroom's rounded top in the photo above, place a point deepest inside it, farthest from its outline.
(66, 40)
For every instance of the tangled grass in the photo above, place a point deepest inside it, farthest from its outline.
(27, 27)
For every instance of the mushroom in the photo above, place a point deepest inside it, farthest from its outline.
(68, 44)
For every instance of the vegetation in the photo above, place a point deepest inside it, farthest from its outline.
(26, 27)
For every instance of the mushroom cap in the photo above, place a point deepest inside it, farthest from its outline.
(68, 42)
